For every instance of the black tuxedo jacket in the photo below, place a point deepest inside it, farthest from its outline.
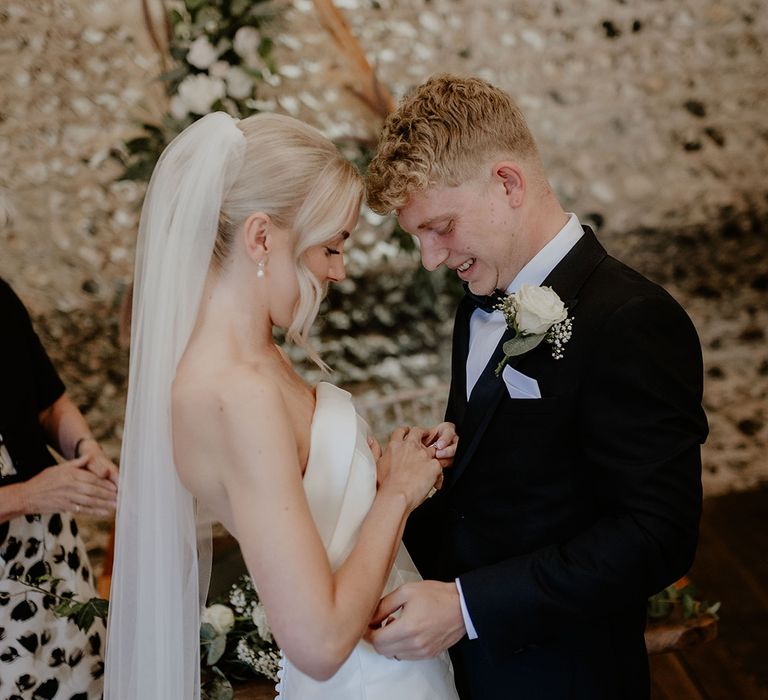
(561, 515)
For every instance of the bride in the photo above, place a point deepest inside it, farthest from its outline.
(243, 227)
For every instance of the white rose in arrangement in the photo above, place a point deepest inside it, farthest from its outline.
(259, 617)
(239, 83)
(199, 92)
(246, 43)
(201, 53)
(220, 617)
(538, 309)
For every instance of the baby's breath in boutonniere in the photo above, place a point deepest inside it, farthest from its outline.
(535, 314)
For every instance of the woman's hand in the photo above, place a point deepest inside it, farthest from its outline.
(407, 465)
(98, 463)
(69, 487)
(444, 439)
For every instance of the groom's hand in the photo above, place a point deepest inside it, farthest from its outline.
(429, 622)
(444, 439)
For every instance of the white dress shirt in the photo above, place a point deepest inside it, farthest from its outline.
(486, 329)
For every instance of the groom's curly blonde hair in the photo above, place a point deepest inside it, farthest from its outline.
(441, 134)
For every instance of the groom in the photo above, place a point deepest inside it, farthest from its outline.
(575, 492)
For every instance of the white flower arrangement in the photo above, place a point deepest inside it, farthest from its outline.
(536, 314)
(222, 54)
(236, 641)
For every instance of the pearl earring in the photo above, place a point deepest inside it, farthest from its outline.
(260, 271)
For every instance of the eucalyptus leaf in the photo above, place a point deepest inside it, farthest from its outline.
(207, 632)
(521, 344)
(216, 649)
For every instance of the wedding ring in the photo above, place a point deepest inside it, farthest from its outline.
(77, 508)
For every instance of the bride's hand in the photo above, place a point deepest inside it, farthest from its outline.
(373, 443)
(408, 466)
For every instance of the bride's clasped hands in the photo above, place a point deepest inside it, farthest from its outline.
(400, 459)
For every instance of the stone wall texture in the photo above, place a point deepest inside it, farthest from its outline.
(650, 115)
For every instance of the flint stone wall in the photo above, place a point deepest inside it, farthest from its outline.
(650, 117)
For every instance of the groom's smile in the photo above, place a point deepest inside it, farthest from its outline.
(465, 228)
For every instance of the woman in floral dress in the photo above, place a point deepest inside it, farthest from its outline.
(43, 656)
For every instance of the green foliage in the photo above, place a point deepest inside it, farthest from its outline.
(83, 614)
(239, 651)
(679, 601)
(212, 644)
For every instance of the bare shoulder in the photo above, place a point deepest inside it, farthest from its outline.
(232, 418)
(238, 393)
(231, 400)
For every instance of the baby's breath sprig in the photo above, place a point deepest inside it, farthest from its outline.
(558, 336)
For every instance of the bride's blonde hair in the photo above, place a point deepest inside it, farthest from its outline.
(298, 177)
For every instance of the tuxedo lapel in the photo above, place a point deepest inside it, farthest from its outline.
(573, 270)
(457, 396)
(482, 403)
(566, 279)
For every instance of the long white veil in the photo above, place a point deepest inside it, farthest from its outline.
(153, 623)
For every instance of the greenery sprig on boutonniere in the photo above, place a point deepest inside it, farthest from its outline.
(536, 314)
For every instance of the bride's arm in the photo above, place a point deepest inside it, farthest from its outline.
(317, 616)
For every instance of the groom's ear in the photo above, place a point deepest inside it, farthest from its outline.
(256, 235)
(510, 176)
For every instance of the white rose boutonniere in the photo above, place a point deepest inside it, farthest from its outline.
(535, 314)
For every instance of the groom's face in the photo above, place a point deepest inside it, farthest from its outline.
(470, 229)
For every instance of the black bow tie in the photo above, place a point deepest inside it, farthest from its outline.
(486, 302)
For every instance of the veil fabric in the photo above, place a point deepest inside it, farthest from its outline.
(153, 623)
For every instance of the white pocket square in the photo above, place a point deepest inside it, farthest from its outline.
(519, 385)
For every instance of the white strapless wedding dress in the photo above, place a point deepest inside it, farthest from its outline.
(340, 483)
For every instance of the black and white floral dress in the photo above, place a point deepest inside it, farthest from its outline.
(43, 656)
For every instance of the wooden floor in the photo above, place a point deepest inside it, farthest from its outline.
(732, 567)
